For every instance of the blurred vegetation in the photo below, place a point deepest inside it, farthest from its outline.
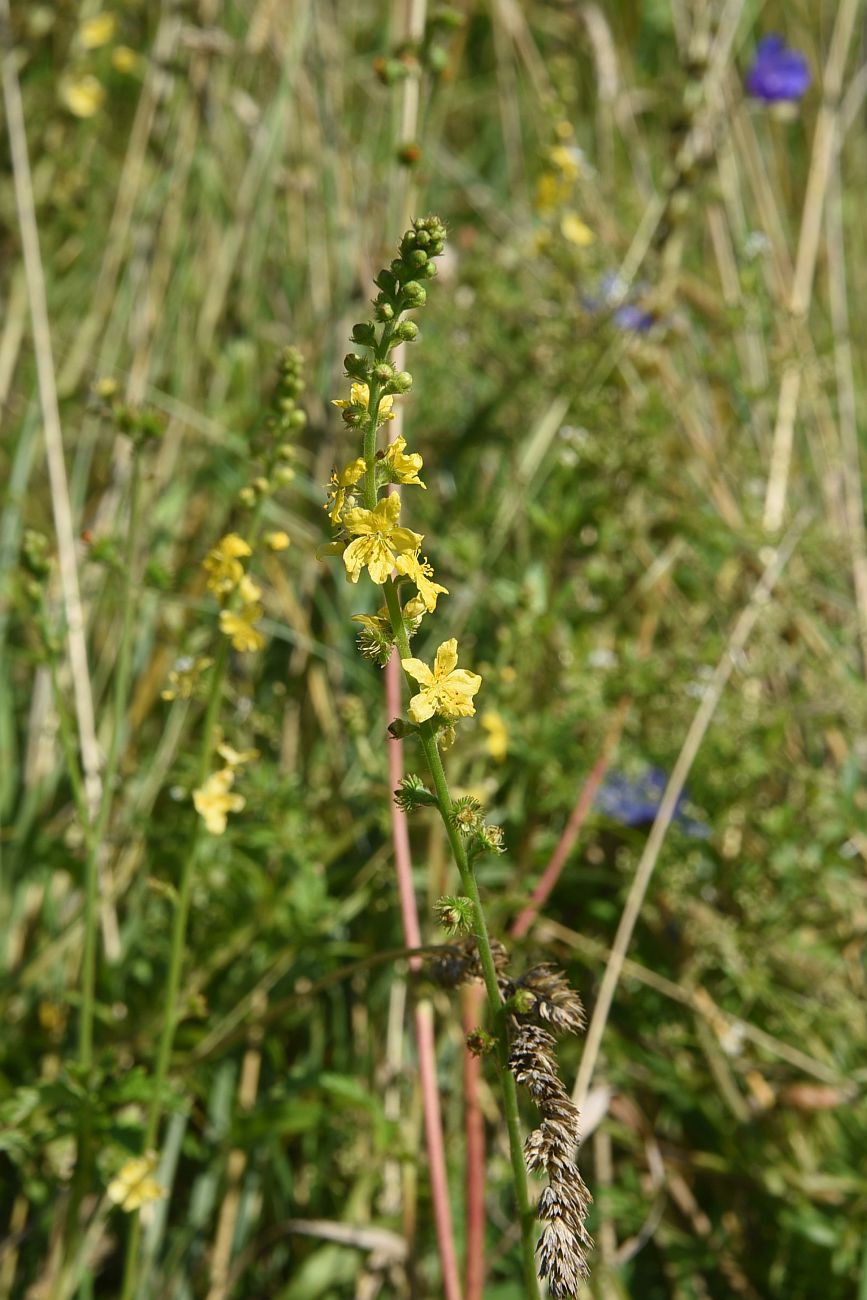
(225, 184)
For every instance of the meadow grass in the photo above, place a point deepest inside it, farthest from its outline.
(638, 392)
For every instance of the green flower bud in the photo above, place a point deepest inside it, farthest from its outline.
(364, 333)
(480, 1042)
(384, 311)
(356, 367)
(401, 383)
(383, 373)
(418, 257)
(406, 331)
(414, 294)
(456, 915)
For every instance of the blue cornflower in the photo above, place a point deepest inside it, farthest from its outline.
(777, 74)
(634, 801)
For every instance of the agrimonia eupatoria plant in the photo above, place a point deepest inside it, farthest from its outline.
(366, 512)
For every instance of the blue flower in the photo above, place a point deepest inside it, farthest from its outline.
(634, 801)
(627, 316)
(633, 318)
(777, 74)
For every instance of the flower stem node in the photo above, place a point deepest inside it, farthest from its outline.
(455, 914)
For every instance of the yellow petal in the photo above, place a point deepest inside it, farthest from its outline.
(83, 96)
(419, 670)
(446, 659)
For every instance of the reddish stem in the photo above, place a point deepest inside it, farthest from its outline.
(474, 1133)
(425, 1044)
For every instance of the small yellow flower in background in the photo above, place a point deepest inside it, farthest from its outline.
(97, 31)
(567, 160)
(249, 591)
(105, 387)
(125, 60)
(338, 488)
(378, 539)
(184, 677)
(497, 741)
(549, 192)
(222, 564)
(84, 96)
(402, 468)
(214, 802)
(420, 572)
(447, 690)
(134, 1184)
(574, 229)
(246, 638)
(359, 395)
(236, 757)
(277, 541)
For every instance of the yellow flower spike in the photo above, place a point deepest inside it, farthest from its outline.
(378, 539)
(446, 690)
(420, 572)
(339, 488)
(97, 31)
(213, 801)
(277, 541)
(498, 735)
(574, 229)
(246, 639)
(359, 395)
(222, 564)
(134, 1184)
(84, 96)
(402, 468)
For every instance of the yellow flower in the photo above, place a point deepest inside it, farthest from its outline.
(378, 539)
(134, 1184)
(214, 802)
(401, 468)
(277, 541)
(420, 572)
(236, 757)
(239, 626)
(498, 735)
(574, 229)
(338, 488)
(97, 31)
(359, 395)
(124, 60)
(105, 387)
(448, 690)
(249, 591)
(567, 160)
(83, 96)
(222, 564)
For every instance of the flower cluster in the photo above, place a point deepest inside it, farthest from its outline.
(565, 166)
(565, 1201)
(95, 56)
(215, 799)
(229, 582)
(360, 504)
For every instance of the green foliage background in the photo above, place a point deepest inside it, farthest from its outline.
(595, 505)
